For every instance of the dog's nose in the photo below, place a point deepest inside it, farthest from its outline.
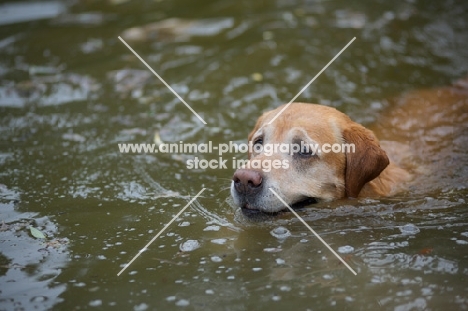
(247, 181)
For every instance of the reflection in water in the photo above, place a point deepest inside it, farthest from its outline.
(12, 13)
(29, 266)
(47, 90)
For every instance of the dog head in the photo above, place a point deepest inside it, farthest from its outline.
(309, 153)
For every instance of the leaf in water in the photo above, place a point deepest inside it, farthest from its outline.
(37, 233)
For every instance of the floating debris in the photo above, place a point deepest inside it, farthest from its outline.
(257, 77)
(37, 233)
(157, 139)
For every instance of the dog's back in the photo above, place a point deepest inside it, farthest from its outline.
(426, 132)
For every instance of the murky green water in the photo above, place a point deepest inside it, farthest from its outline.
(71, 91)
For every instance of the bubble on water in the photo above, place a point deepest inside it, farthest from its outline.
(216, 259)
(280, 233)
(183, 303)
(184, 224)
(285, 288)
(461, 242)
(409, 229)
(464, 234)
(257, 269)
(171, 298)
(189, 245)
(209, 292)
(347, 249)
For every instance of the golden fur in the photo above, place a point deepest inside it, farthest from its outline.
(367, 172)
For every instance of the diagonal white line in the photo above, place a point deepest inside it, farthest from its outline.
(316, 76)
(160, 232)
(312, 230)
(159, 77)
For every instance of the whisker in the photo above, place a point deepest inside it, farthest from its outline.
(226, 179)
(224, 189)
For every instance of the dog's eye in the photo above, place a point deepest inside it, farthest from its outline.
(305, 152)
(258, 141)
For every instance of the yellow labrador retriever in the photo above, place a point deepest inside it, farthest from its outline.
(322, 155)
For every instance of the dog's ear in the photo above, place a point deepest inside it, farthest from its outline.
(366, 163)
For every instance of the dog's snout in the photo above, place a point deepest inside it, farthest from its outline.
(247, 181)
